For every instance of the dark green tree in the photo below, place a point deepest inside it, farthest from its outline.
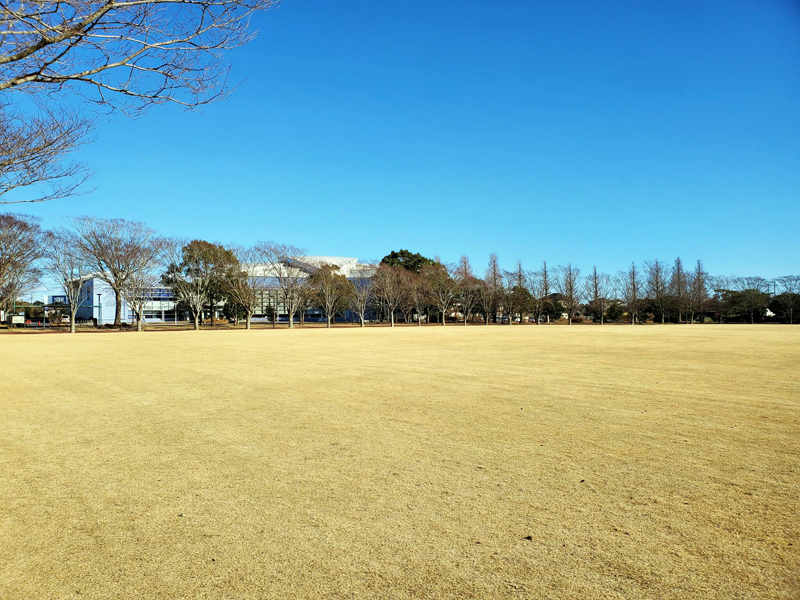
(552, 309)
(615, 312)
(222, 260)
(198, 276)
(406, 260)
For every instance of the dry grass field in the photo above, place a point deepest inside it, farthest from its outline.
(500, 462)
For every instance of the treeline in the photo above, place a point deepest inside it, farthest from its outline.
(655, 290)
(270, 279)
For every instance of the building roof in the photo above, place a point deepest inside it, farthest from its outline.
(349, 267)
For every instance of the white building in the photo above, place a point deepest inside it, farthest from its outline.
(98, 302)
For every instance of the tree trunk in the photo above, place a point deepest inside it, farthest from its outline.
(118, 308)
(291, 320)
(362, 320)
(391, 317)
(249, 317)
(72, 313)
(441, 316)
(328, 319)
(139, 324)
(196, 321)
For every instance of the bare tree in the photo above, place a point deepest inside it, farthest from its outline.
(719, 285)
(406, 304)
(789, 297)
(286, 266)
(678, 287)
(190, 275)
(658, 285)
(546, 285)
(697, 287)
(630, 288)
(493, 291)
(514, 292)
(305, 300)
(33, 149)
(330, 290)
(599, 289)
(417, 294)
(463, 269)
(468, 292)
(117, 55)
(21, 246)
(486, 300)
(137, 292)
(70, 269)
(533, 283)
(753, 291)
(442, 287)
(117, 251)
(362, 287)
(389, 288)
(569, 286)
(245, 282)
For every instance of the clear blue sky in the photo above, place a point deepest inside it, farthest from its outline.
(591, 132)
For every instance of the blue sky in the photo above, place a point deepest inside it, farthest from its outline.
(591, 132)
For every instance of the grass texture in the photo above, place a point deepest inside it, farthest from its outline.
(433, 462)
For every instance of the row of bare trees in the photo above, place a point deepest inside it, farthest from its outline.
(665, 293)
(133, 259)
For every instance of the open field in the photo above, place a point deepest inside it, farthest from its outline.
(499, 462)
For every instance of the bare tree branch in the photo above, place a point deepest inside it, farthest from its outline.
(69, 268)
(124, 55)
(21, 246)
(33, 149)
(118, 55)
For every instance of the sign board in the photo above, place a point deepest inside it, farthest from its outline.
(58, 299)
(18, 319)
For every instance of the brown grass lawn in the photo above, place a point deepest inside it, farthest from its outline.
(499, 462)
